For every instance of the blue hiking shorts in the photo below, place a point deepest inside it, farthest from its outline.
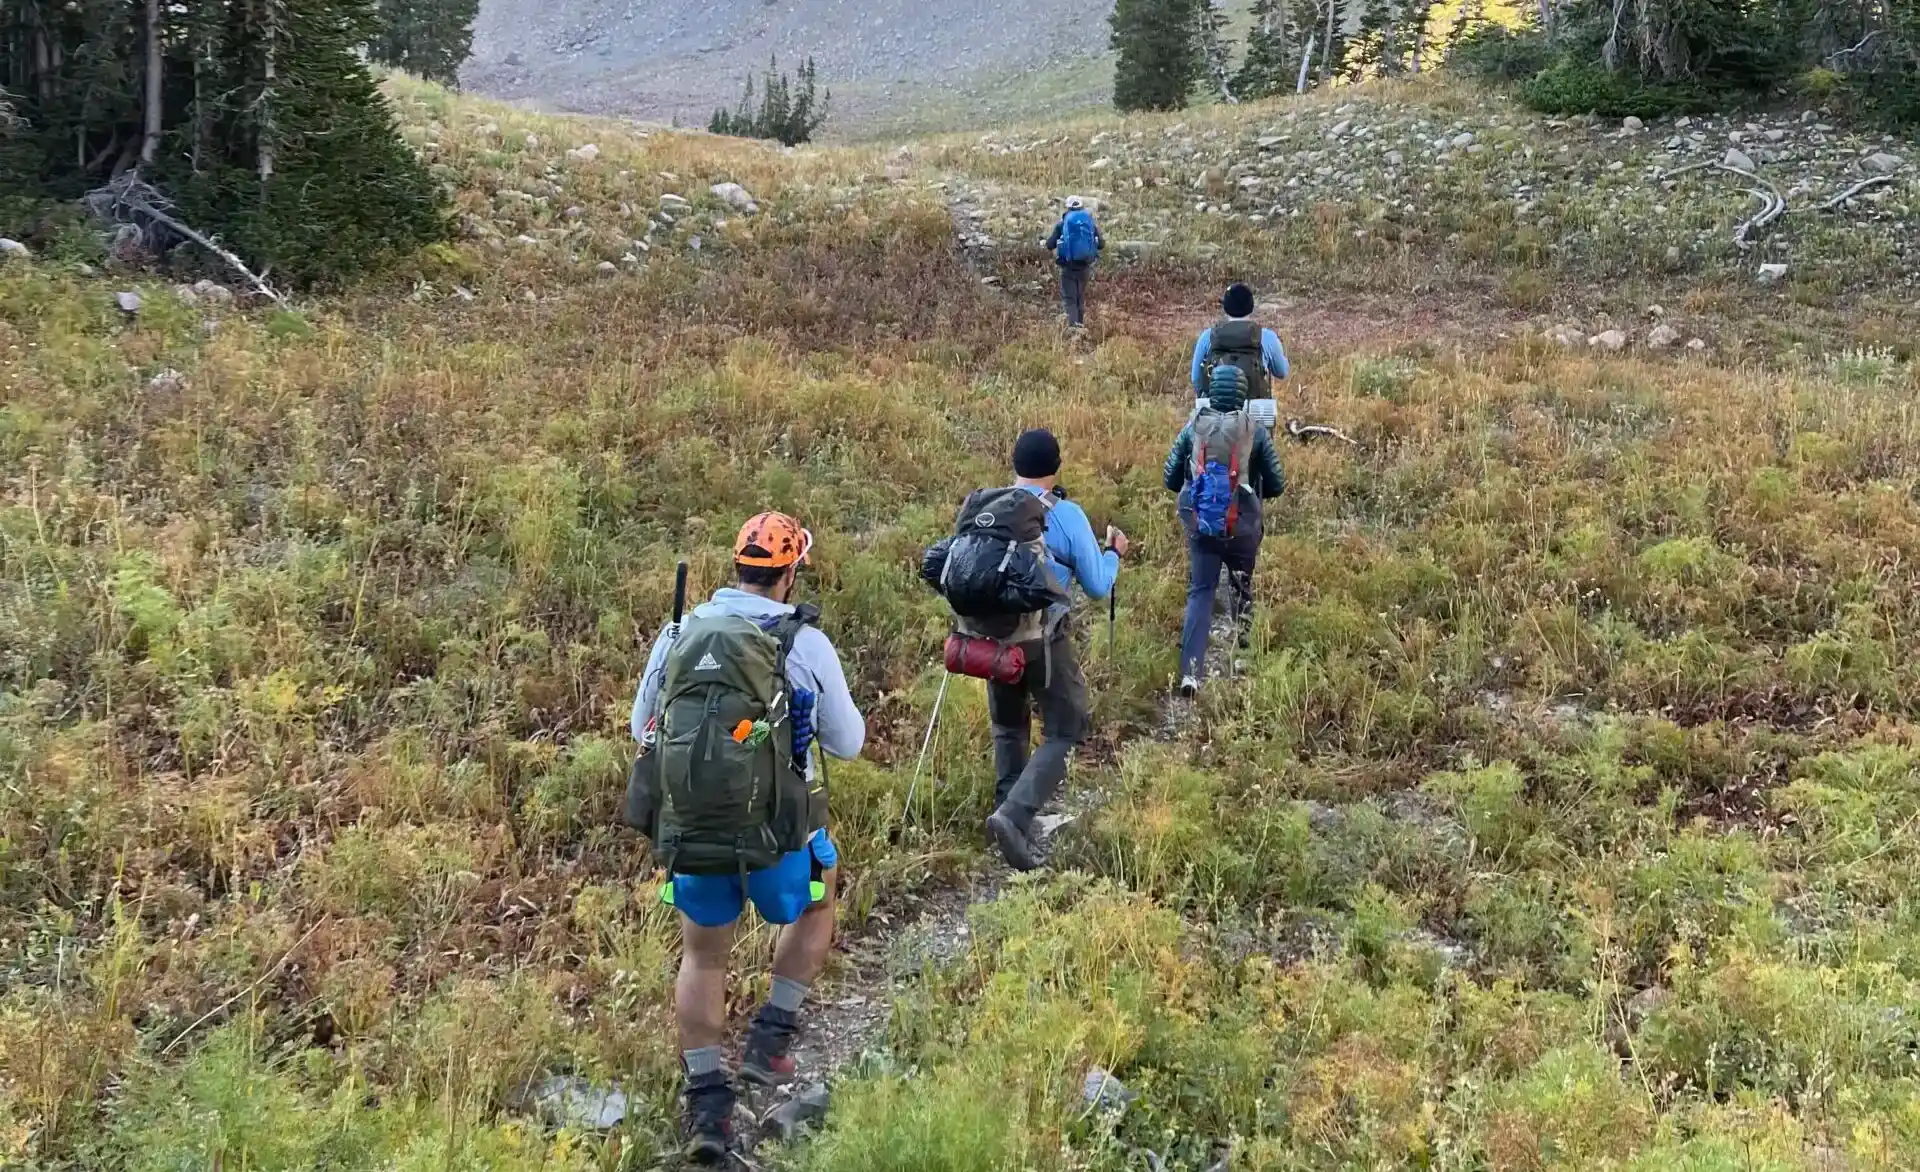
(780, 893)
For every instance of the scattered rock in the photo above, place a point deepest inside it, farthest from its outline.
(606, 268)
(1609, 340)
(736, 197)
(1462, 140)
(790, 1118)
(1772, 272)
(670, 200)
(1737, 159)
(1339, 129)
(525, 241)
(574, 1102)
(1570, 336)
(1775, 136)
(166, 382)
(1632, 125)
(13, 248)
(1646, 1003)
(1106, 1092)
(1696, 344)
(1395, 158)
(463, 293)
(1100, 164)
(694, 243)
(533, 141)
(128, 301)
(1882, 163)
(586, 153)
(213, 293)
(513, 61)
(1662, 336)
(575, 212)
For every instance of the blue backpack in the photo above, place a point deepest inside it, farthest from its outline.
(1217, 481)
(1077, 242)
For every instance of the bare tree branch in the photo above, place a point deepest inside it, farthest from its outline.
(129, 199)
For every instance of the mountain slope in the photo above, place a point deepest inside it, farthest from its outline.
(680, 59)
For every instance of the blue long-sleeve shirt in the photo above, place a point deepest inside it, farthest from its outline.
(1074, 551)
(1272, 354)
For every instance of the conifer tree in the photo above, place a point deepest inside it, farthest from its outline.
(257, 118)
(431, 38)
(1160, 55)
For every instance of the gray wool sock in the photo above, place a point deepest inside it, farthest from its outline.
(705, 1060)
(788, 994)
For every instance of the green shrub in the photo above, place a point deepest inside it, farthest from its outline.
(1571, 86)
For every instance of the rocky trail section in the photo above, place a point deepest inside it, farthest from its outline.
(1413, 173)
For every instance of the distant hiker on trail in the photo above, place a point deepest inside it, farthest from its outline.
(1005, 573)
(1223, 466)
(1238, 340)
(1075, 243)
(727, 712)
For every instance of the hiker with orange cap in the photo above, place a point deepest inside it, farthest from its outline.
(736, 807)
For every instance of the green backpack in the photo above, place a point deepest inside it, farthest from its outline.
(729, 805)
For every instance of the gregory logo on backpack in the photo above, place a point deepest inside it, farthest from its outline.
(707, 663)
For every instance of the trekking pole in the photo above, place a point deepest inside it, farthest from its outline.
(679, 596)
(1113, 601)
(906, 815)
(1113, 611)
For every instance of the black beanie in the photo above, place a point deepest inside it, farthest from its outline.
(1238, 301)
(1036, 454)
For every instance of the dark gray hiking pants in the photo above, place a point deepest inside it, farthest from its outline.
(1027, 779)
(1073, 292)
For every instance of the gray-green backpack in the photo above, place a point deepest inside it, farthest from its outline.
(729, 805)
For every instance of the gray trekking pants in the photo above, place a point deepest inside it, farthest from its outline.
(1026, 779)
(1073, 292)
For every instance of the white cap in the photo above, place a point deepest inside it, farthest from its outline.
(1074, 203)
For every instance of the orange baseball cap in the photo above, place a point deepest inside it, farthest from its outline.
(772, 540)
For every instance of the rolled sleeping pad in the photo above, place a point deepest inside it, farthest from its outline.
(1265, 412)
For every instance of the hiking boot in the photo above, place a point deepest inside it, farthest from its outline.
(1189, 687)
(708, 1118)
(1011, 838)
(765, 1062)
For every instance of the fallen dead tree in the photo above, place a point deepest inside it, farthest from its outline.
(130, 202)
(1773, 204)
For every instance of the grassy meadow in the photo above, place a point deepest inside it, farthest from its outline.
(1558, 819)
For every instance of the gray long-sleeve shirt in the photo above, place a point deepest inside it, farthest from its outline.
(838, 727)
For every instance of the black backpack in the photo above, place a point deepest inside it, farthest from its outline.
(993, 571)
(1240, 343)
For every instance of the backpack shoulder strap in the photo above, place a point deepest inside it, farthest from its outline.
(788, 628)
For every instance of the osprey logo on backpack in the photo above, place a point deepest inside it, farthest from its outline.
(984, 520)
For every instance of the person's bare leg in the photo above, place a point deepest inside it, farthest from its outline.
(798, 957)
(801, 951)
(700, 995)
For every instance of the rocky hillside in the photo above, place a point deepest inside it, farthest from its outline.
(680, 59)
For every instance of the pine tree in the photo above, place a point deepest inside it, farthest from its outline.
(431, 38)
(256, 117)
(1271, 53)
(790, 111)
(1160, 58)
